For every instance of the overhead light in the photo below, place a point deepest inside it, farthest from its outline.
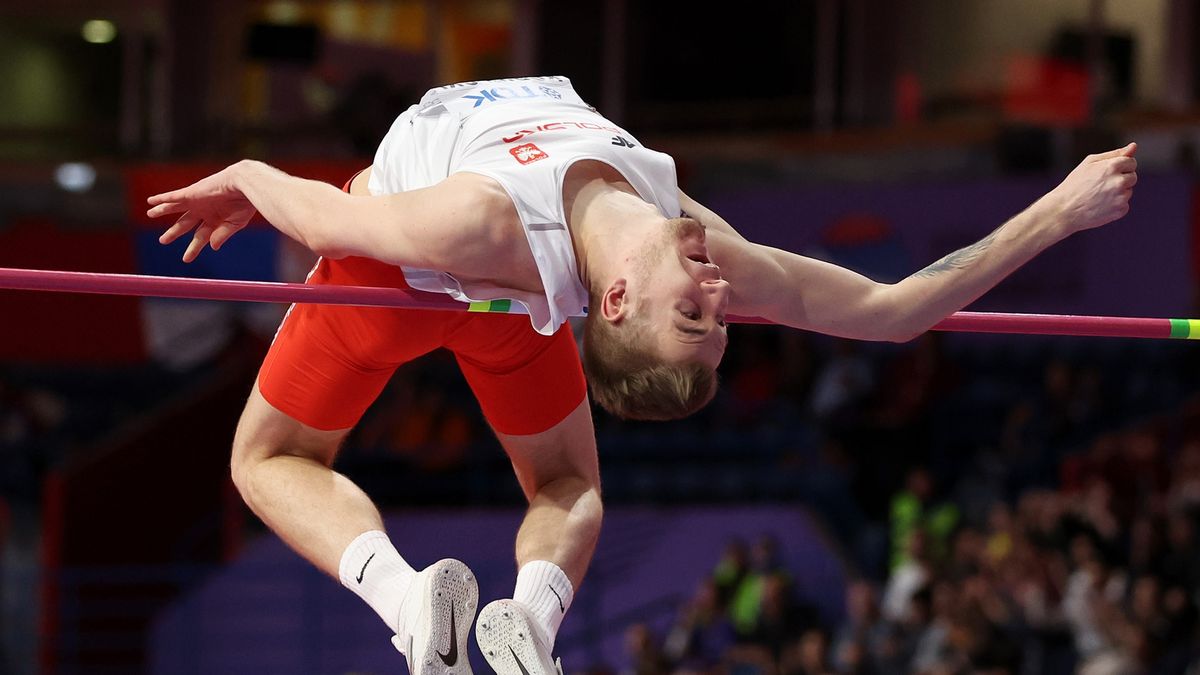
(99, 31)
(284, 12)
(75, 176)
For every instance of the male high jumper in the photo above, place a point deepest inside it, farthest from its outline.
(518, 189)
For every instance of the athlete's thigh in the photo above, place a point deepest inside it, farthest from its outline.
(566, 451)
(328, 363)
(525, 382)
(532, 391)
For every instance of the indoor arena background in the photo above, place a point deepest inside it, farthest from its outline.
(959, 503)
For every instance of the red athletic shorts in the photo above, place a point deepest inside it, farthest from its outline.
(328, 363)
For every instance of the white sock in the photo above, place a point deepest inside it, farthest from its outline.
(374, 570)
(545, 589)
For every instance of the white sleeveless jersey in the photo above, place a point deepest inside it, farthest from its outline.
(524, 133)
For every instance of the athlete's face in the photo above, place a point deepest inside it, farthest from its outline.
(682, 296)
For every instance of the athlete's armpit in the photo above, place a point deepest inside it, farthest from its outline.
(705, 216)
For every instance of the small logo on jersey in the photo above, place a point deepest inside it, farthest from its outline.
(622, 142)
(493, 94)
(527, 153)
(559, 126)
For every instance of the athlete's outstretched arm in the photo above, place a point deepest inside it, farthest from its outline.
(432, 227)
(804, 293)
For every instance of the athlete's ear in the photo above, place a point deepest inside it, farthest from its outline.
(613, 305)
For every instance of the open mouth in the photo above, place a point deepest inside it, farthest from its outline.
(700, 258)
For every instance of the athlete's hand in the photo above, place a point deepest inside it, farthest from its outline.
(213, 207)
(1097, 192)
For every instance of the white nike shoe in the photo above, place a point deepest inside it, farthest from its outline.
(512, 642)
(437, 621)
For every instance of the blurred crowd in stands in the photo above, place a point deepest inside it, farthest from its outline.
(1078, 579)
(1004, 506)
(1063, 539)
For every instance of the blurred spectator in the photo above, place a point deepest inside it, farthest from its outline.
(29, 417)
(911, 382)
(26, 412)
(1094, 587)
(1042, 426)
(912, 510)
(933, 652)
(808, 655)
(861, 637)
(754, 385)
(1001, 535)
(731, 569)
(1181, 561)
(746, 603)
(1184, 490)
(702, 632)
(842, 385)
(909, 577)
(781, 617)
(645, 654)
(419, 420)
(967, 547)
(795, 365)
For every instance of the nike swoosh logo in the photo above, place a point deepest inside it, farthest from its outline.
(451, 656)
(519, 664)
(364, 569)
(560, 605)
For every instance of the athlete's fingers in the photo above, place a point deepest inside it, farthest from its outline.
(222, 234)
(1124, 164)
(199, 240)
(185, 224)
(166, 209)
(198, 190)
(1126, 151)
(172, 196)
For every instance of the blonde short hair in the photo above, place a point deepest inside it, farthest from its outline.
(628, 378)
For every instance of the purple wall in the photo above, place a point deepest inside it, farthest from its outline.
(269, 611)
(1139, 265)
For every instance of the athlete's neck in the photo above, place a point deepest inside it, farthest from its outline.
(607, 219)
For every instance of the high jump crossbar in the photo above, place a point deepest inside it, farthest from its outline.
(369, 296)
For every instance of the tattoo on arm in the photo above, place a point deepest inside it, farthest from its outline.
(961, 258)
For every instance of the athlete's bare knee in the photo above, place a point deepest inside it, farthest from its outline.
(579, 495)
(592, 507)
(563, 486)
(254, 466)
(242, 467)
(265, 435)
